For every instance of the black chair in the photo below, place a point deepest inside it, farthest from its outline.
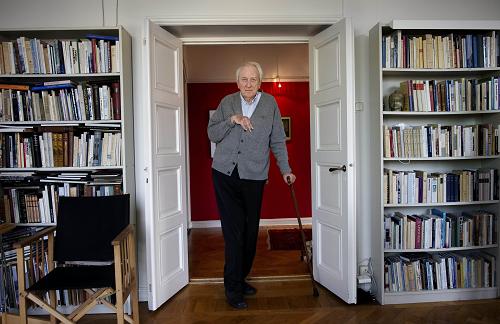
(94, 249)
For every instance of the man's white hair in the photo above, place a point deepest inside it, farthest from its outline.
(255, 65)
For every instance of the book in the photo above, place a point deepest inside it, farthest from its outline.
(52, 87)
(58, 82)
(102, 37)
(116, 101)
(14, 86)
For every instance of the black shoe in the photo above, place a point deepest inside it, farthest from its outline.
(248, 289)
(236, 300)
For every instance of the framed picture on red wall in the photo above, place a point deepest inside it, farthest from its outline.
(287, 125)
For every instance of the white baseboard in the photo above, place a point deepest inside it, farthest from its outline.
(205, 224)
(263, 222)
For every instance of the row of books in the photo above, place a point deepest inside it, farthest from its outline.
(37, 205)
(437, 271)
(54, 149)
(440, 51)
(96, 54)
(438, 229)
(451, 95)
(422, 187)
(8, 294)
(436, 140)
(60, 100)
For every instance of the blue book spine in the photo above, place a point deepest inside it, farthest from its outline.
(456, 187)
(468, 51)
(448, 95)
(52, 87)
(429, 142)
(383, 52)
(475, 51)
(103, 37)
(448, 187)
(420, 190)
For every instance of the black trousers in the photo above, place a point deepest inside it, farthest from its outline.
(239, 202)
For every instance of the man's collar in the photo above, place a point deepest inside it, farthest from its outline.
(253, 99)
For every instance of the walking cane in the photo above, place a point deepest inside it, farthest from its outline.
(303, 235)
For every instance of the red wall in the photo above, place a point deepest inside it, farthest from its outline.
(293, 101)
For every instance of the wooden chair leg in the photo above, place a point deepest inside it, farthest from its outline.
(134, 297)
(23, 319)
(53, 303)
(120, 319)
(134, 300)
(23, 316)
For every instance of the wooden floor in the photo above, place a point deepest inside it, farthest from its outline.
(206, 257)
(292, 302)
(286, 300)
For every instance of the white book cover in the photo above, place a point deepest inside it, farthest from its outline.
(109, 149)
(50, 149)
(41, 142)
(90, 154)
(76, 149)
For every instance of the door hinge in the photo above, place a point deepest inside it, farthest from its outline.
(144, 41)
(147, 180)
(150, 288)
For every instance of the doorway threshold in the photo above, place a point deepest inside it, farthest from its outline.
(203, 281)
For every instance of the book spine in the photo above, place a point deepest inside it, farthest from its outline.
(116, 100)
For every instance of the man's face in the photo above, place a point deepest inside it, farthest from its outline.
(248, 82)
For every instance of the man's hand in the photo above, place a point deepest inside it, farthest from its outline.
(243, 121)
(289, 176)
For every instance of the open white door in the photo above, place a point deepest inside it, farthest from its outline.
(331, 63)
(166, 219)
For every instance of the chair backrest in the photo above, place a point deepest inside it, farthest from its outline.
(87, 225)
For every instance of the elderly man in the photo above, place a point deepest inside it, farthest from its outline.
(245, 126)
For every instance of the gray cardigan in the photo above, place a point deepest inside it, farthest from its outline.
(248, 150)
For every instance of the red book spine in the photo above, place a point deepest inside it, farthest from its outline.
(94, 56)
(418, 233)
(115, 97)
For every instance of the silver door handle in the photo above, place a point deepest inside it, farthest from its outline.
(343, 168)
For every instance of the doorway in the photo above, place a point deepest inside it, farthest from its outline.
(209, 76)
(332, 158)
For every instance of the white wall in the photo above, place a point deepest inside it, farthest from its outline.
(218, 63)
(131, 14)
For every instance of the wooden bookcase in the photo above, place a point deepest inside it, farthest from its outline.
(396, 61)
(105, 111)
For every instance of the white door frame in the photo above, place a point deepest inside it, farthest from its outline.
(183, 21)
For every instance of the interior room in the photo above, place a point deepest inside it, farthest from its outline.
(390, 116)
(286, 78)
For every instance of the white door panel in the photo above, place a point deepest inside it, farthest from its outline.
(329, 132)
(329, 191)
(166, 222)
(167, 136)
(331, 54)
(330, 255)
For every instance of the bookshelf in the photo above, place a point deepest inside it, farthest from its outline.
(435, 226)
(66, 120)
